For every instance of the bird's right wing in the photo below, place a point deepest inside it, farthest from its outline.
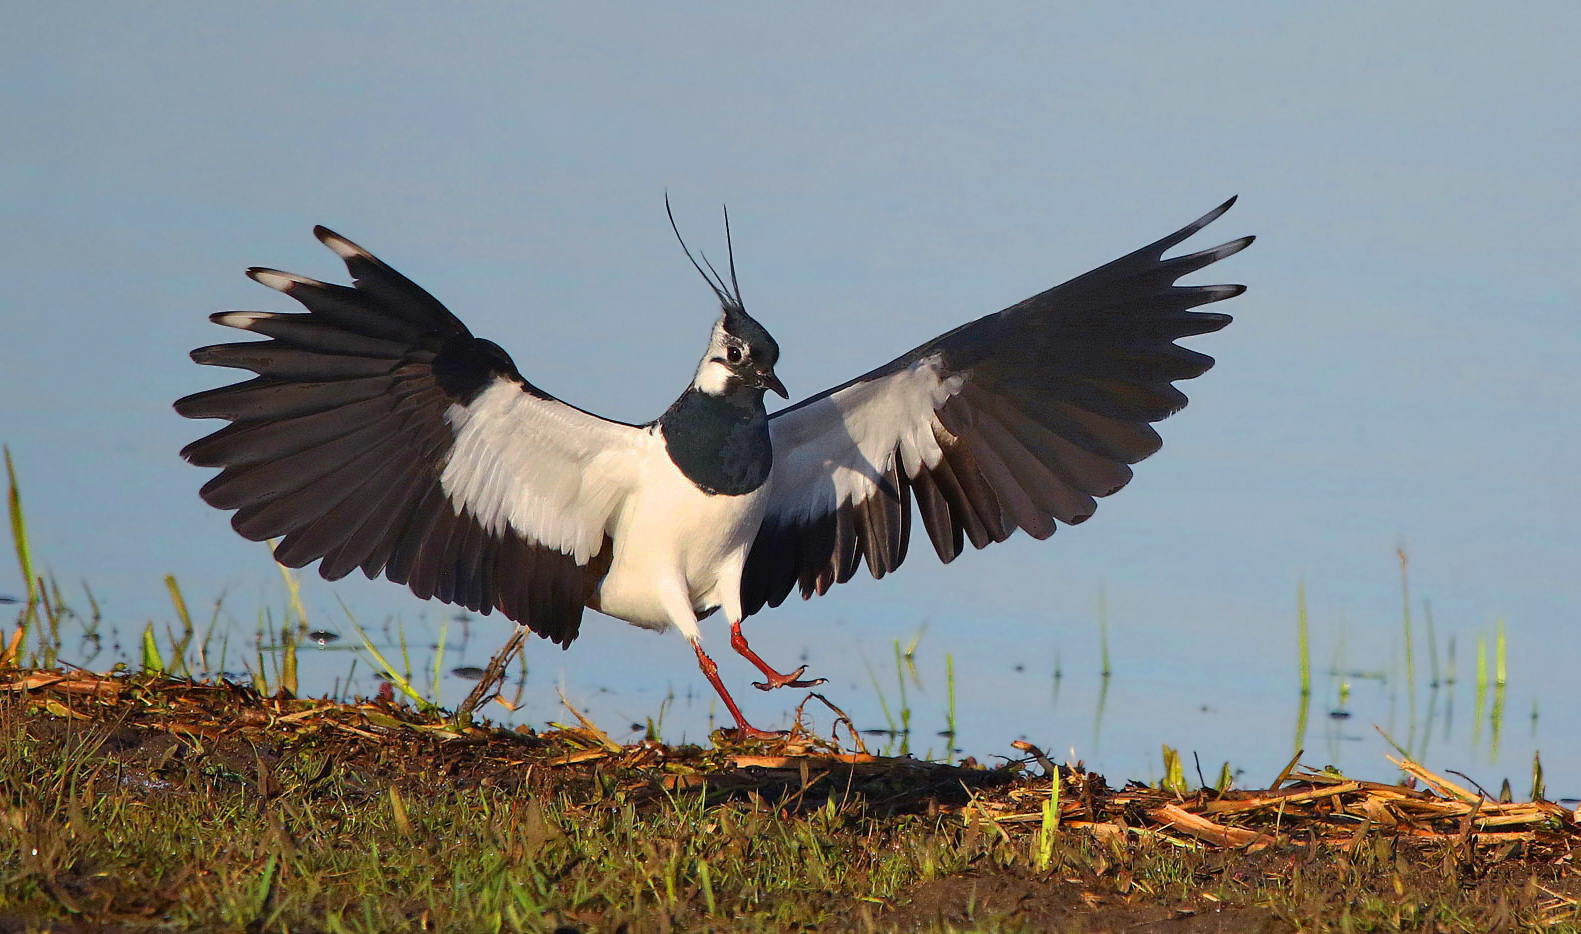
(1014, 420)
(380, 434)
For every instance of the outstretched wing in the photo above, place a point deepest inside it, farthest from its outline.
(380, 434)
(1012, 421)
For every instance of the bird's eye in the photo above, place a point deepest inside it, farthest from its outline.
(733, 353)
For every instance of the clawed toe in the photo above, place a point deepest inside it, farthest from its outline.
(752, 732)
(791, 680)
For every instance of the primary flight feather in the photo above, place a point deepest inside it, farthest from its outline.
(380, 435)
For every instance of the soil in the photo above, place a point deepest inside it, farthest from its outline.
(1434, 841)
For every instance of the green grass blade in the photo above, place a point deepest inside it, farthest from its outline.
(439, 655)
(1103, 631)
(1174, 775)
(288, 661)
(883, 704)
(178, 647)
(293, 589)
(152, 663)
(1410, 656)
(396, 678)
(179, 602)
(949, 722)
(24, 554)
(1499, 681)
(1043, 845)
(1301, 638)
(1305, 661)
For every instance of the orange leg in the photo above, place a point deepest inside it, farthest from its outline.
(711, 672)
(775, 679)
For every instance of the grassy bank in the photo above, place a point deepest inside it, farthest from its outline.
(154, 804)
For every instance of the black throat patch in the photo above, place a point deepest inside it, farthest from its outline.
(721, 443)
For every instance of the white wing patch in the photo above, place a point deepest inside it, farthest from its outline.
(553, 473)
(818, 469)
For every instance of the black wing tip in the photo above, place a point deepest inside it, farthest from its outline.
(1213, 215)
(189, 406)
(205, 356)
(341, 246)
(1235, 246)
(280, 280)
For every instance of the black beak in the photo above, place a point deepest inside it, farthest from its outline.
(769, 381)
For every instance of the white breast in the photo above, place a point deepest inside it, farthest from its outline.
(677, 546)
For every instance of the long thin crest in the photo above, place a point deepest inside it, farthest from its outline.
(730, 249)
(729, 296)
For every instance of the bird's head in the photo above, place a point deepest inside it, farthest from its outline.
(741, 352)
(741, 356)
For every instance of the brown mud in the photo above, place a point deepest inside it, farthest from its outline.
(1295, 856)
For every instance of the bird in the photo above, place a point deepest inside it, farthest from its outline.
(379, 434)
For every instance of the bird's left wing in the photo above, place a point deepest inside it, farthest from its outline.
(1011, 421)
(380, 434)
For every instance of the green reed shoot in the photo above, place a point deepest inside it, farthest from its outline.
(24, 554)
(1537, 777)
(1043, 842)
(401, 683)
(1301, 638)
(288, 660)
(439, 655)
(152, 663)
(208, 637)
(655, 725)
(1410, 655)
(883, 703)
(1499, 670)
(225, 646)
(910, 654)
(949, 716)
(179, 603)
(93, 607)
(1226, 778)
(260, 678)
(905, 705)
(1499, 679)
(706, 882)
(1305, 661)
(293, 589)
(1174, 775)
(1103, 630)
(178, 647)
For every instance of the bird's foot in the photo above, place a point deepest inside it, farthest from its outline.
(749, 732)
(775, 678)
(792, 680)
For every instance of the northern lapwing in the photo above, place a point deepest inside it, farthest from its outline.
(380, 435)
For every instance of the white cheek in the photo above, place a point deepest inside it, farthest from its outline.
(712, 377)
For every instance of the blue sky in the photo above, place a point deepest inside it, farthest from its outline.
(1401, 370)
